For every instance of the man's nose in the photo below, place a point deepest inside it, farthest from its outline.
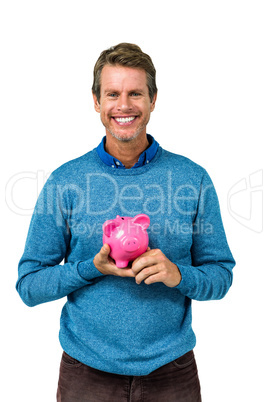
(124, 103)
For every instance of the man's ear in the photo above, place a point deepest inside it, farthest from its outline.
(153, 102)
(96, 103)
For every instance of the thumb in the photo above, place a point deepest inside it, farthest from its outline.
(105, 249)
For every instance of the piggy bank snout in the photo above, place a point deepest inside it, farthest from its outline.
(131, 244)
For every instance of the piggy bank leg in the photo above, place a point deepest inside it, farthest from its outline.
(121, 264)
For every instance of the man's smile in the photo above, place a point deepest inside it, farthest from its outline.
(124, 120)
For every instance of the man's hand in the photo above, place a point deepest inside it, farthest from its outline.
(153, 266)
(106, 264)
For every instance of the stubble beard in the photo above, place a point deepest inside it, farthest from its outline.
(120, 137)
(125, 139)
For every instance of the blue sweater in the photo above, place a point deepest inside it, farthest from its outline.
(111, 323)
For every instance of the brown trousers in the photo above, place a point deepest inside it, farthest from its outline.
(175, 382)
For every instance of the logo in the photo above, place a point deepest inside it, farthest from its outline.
(245, 201)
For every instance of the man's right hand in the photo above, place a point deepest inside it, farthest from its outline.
(106, 265)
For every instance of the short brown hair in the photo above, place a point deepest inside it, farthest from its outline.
(127, 55)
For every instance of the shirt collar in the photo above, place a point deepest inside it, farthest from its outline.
(144, 158)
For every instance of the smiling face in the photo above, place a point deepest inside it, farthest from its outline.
(125, 105)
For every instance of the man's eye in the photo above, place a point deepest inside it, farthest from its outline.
(135, 94)
(112, 95)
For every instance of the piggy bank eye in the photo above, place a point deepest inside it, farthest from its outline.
(122, 218)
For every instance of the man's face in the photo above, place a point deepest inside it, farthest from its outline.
(125, 105)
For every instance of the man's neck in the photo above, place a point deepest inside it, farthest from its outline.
(128, 152)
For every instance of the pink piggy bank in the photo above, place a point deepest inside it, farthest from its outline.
(127, 237)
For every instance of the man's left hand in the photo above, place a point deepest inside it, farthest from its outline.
(153, 266)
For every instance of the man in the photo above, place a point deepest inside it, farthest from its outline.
(126, 332)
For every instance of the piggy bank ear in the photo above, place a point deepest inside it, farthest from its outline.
(142, 220)
(109, 226)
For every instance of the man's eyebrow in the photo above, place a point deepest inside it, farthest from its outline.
(138, 90)
(110, 90)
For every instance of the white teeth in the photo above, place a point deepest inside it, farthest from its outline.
(124, 119)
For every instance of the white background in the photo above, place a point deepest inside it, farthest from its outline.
(211, 61)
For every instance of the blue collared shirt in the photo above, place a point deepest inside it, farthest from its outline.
(144, 158)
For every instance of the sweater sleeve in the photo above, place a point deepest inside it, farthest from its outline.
(210, 275)
(41, 276)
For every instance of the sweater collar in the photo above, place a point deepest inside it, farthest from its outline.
(144, 158)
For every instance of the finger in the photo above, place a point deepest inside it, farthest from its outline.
(149, 252)
(141, 263)
(141, 256)
(146, 273)
(105, 250)
(125, 272)
(153, 279)
(104, 254)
